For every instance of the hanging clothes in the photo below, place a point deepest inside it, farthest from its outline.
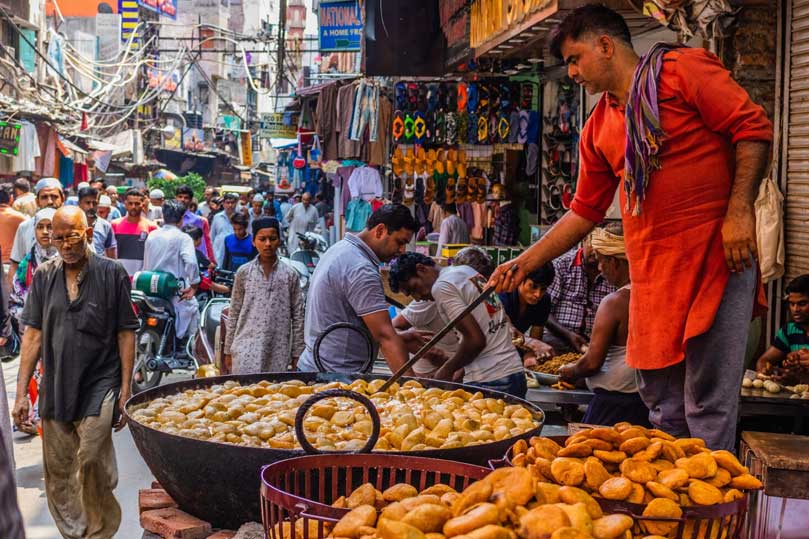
(365, 183)
(28, 149)
(436, 215)
(365, 112)
(326, 113)
(466, 214)
(65, 171)
(357, 214)
(346, 148)
(478, 226)
(378, 151)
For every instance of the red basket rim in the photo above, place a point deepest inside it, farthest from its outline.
(321, 511)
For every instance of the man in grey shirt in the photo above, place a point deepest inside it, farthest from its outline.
(347, 287)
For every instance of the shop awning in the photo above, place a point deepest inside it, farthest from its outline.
(526, 39)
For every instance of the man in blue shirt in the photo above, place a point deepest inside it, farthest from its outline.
(239, 247)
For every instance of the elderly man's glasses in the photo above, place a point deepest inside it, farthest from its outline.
(69, 240)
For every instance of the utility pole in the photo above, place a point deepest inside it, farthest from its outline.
(281, 52)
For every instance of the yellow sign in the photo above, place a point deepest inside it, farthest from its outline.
(247, 148)
(490, 18)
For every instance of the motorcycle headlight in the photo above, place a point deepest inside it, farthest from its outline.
(304, 282)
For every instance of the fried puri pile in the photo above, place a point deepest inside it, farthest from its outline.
(633, 464)
(509, 503)
(413, 418)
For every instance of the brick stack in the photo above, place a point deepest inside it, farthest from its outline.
(162, 519)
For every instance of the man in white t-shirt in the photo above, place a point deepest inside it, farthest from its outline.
(485, 356)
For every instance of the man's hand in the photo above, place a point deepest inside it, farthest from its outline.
(739, 239)
(3, 341)
(567, 372)
(529, 360)
(187, 293)
(508, 276)
(415, 339)
(21, 410)
(540, 349)
(125, 394)
(578, 342)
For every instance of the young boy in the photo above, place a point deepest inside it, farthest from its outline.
(239, 247)
(788, 356)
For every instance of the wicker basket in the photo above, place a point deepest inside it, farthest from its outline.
(297, 493)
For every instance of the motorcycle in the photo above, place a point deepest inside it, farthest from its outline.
(210, 338)
(310, 248)
(157, 350)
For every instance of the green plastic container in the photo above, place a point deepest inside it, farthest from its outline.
(156, 283)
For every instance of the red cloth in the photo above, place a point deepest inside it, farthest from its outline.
(674, 248)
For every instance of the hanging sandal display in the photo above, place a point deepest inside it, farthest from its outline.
(398, 126)
(408, 128)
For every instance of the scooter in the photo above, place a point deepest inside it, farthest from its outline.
(310, 247)
(157, 350)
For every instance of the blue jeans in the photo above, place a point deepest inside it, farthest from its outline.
(513, 384)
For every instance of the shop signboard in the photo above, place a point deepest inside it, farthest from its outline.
(128, 10)
(194, 139)
(492, 19)
(272, 126)
(246, 148)
(167, 8)
(9, 138)
(340, 26)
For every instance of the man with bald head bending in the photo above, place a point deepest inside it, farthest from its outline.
(81, 323)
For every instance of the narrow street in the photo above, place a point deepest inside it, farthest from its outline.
(133, 475)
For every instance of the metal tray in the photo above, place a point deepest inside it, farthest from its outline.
(542, 378)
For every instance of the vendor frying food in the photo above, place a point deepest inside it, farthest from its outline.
(604, 366)
(346, 287)
(485, 356)
(689, 148)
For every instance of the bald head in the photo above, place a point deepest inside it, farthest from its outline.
(71, 218)
(71, 235)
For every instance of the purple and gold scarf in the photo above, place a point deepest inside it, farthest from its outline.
(644, 136)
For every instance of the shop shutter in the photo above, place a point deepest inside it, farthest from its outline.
(796, 206)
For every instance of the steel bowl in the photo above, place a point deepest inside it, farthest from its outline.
(220, 483)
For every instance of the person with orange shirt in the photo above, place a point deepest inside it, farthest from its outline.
(688, 148)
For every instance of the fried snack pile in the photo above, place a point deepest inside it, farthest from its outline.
(509, 503)
(552, 365)
(638, 465)
(413, 418)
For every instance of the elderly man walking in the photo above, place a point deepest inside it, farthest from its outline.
(81, 323)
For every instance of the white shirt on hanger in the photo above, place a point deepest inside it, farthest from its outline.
(365, 182)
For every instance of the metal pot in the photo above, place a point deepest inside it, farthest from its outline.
(220, 482)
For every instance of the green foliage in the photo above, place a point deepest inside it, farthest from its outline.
(169, 187)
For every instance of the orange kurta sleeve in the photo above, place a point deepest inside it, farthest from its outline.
(724, 106)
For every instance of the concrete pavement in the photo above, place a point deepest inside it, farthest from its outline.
(132, 471)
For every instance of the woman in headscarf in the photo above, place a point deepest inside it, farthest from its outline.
(42, 251)
(265, 325)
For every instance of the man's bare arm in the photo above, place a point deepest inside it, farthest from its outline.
(739, 228)
(565, 234)
(29, 355)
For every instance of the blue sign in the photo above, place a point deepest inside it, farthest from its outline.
(340, 26)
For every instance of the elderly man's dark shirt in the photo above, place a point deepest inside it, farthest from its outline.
(80, 353)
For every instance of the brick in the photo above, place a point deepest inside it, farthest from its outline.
(223, 534)
(171, 523)
(154, 498)
(155, 484)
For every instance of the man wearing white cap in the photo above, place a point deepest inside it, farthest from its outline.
(49, 194)
(155, 212)
(256, 210)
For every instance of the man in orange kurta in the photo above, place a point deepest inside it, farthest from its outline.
(689, 232)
